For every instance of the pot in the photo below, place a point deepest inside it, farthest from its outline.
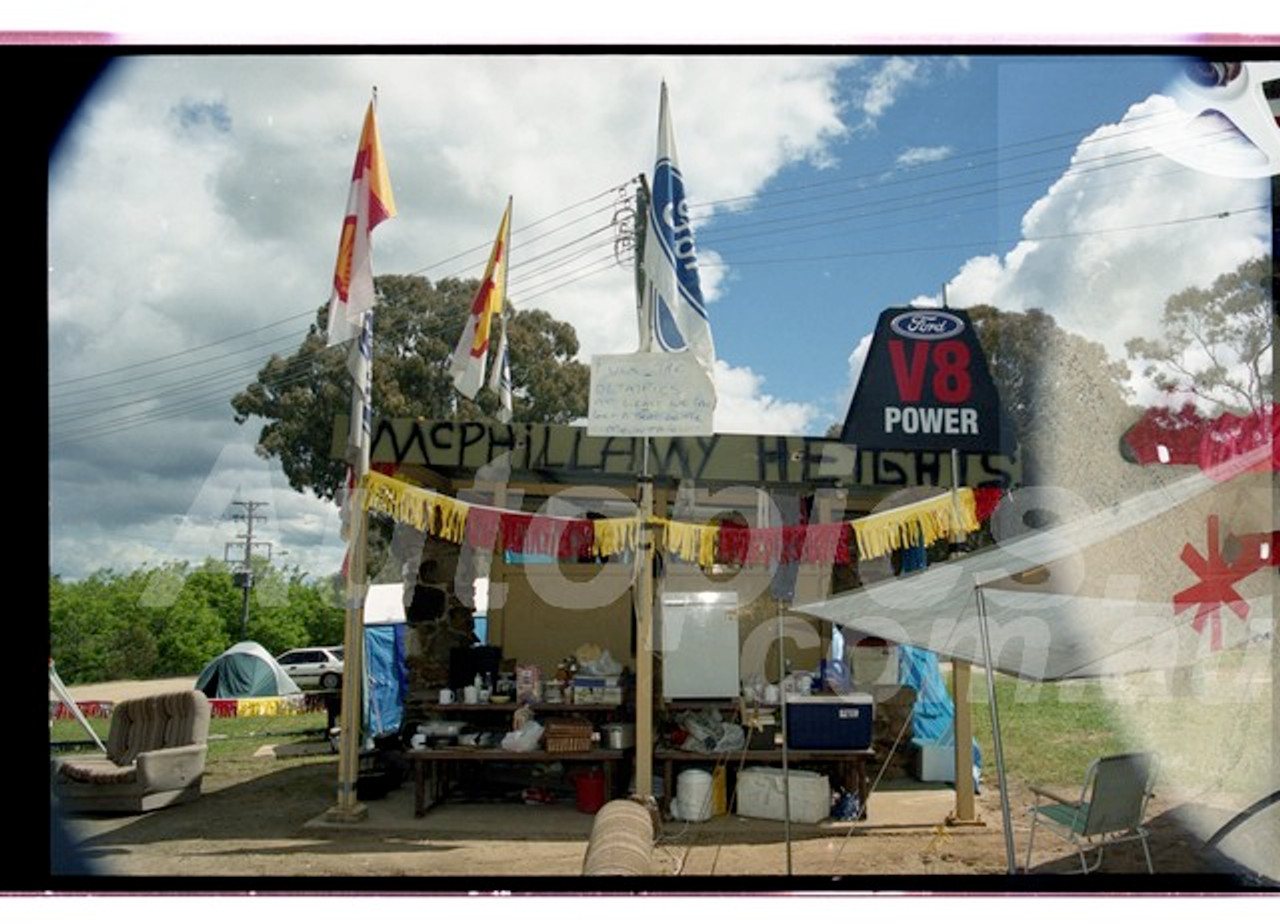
(619, 735)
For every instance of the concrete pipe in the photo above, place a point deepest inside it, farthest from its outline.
(621, 842)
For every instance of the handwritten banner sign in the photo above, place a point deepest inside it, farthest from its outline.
(649, 394)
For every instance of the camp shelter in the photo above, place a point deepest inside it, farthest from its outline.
(386, 677)
(550, 518)
(246, 669)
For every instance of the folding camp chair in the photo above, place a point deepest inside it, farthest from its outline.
(1110, 810)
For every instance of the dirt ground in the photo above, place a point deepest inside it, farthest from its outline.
(272, 827)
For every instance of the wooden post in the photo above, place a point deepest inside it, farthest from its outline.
(348, 808)
(644, 645)
(962, 726)
(964, 812)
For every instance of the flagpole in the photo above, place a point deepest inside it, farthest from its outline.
(369, 203)
(644, 579)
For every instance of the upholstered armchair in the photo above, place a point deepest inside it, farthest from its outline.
(155, 755)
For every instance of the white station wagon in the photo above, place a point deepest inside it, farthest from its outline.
(313, 667)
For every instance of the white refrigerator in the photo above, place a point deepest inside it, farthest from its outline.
(699, 645)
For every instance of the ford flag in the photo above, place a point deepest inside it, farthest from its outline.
(673, 318)
(926, 386)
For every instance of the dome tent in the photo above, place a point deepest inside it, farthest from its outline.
(245, 669)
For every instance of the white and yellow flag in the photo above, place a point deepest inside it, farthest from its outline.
(472, 352)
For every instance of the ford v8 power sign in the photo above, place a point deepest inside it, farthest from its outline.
(926, 385)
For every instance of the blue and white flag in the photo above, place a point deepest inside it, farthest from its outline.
(673, 318)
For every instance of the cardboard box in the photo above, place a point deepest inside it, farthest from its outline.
(761, 794)
(596, 690)
(830, 722)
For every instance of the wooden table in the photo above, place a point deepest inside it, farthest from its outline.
(852, 764)
(432, 762)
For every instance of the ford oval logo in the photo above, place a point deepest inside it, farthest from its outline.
(927, 325)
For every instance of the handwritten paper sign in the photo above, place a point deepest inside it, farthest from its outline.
(649, 394)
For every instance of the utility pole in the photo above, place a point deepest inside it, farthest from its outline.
(242, 576)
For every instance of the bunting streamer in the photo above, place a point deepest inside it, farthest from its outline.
(482, 527)
(540, 535)
(927, 520)
(613, 537)
(820, 543)
(690, 541)
(704, 544)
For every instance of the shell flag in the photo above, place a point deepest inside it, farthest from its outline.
(369, 203)
(472, 351)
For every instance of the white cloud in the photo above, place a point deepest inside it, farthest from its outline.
(742, 406)
(1105, 248)
(914, 157)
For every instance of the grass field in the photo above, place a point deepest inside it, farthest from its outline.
(230, 739)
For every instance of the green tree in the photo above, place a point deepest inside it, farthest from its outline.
(1217, 341)
(1045, 374)
(79, 612)
(416, 326)
(170, 621)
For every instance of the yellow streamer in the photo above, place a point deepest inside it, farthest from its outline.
(928, 520)
(616, 535)
(691, 541)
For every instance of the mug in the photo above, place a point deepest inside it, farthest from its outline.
(446, 697)
(470, 695)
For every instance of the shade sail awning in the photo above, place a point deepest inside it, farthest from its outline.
(1111, 592)
(1039, 636)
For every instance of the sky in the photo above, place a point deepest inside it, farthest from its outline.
(196, 196)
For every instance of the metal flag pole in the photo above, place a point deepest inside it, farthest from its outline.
(995, 728)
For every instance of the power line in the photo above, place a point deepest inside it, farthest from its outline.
(571, 254)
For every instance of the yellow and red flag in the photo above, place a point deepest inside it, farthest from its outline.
(472, 351)
(369, 203)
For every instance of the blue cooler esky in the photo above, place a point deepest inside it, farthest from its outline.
(196, 197)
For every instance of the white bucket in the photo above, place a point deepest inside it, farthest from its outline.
(693, 796)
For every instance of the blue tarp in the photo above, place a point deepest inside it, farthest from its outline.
(934, 716)
(386, 679)
(933, 720)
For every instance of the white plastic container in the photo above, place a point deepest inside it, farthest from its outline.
(936, 763)
(761, 795)
(874, 664)
(693, 796)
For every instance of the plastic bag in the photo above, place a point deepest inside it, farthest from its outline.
(708, 732)
(524, 738)
(603, 665)
(847, 806)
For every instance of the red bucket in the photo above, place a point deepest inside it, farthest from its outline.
(590, 784)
